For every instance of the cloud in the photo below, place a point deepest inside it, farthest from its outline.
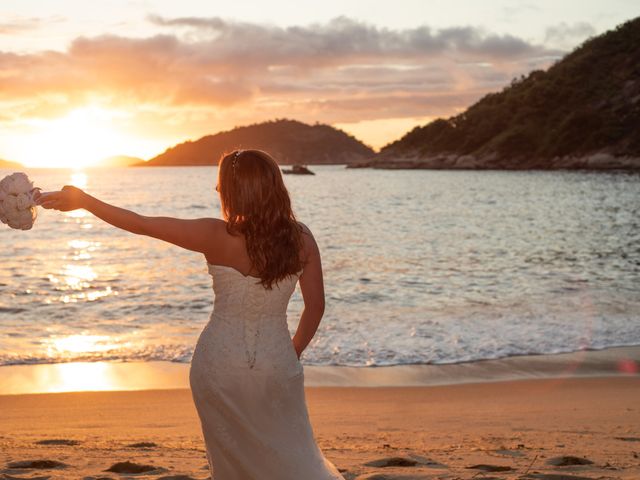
(344, 39)
(339, 71)
(564, 34)
(19, 25)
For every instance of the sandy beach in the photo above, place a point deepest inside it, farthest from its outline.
(570, 427)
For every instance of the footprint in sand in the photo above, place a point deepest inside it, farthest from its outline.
(566, 460)
(392, 462)
(491, 468)
(404, 462)
(11, 477)
(39, 464)
(143, 445)
(130, 467)
(58, 441)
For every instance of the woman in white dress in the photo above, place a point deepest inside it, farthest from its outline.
(246, 378)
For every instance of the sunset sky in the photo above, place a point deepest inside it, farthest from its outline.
(78, 84)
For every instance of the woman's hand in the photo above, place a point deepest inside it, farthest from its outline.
(69, 198)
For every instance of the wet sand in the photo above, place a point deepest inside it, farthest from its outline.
(162, 375)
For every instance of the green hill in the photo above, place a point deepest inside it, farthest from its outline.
(289, 141)
(583, 112)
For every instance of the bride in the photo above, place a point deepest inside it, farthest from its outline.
(246, 378)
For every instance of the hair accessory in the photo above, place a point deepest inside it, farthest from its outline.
(235, 160)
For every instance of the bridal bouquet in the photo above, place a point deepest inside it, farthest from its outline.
(17, 205)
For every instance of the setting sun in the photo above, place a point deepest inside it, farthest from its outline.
(80, 139)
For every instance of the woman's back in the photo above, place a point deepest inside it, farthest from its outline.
(231, 250)
(247, 329)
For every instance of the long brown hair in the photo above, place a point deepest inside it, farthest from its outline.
(256, 203)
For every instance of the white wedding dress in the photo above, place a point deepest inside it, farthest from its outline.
(248, 386)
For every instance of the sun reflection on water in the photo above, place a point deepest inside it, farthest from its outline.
(81, 256)
(79, 244)
(76, 213)
(79, 276)
(82, 344)
(89, 296)
(79, 179)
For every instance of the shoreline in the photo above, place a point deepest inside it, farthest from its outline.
(139, 376)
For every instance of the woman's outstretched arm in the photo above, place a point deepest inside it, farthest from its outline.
(193, 234)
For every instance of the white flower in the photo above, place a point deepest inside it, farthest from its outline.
(3, 217)
(17, 208)
(24, 201)
(16, 183)
(11, 204)
(23, 219)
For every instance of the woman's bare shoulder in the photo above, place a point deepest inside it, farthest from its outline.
(307, 237)
(304, 228)
(309, 245)
(217, 228)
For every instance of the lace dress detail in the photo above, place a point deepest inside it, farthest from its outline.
(248, 386)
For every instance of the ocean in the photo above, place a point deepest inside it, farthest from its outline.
(421, 267)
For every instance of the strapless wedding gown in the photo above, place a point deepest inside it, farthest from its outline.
(248, 386)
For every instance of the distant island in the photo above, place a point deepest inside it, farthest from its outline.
(8, 164)
(297, 170)
(289, 141)
(582, 113)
